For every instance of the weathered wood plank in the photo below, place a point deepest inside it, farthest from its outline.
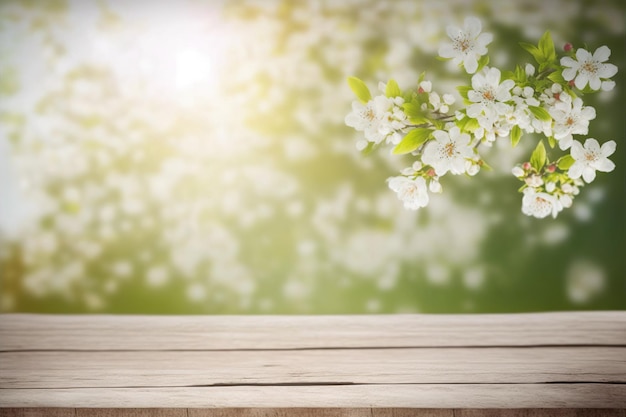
(344, 396)
(344, 366)
(37, 412)
(131, 412)
(541, 412)
(281, 412)
(412, 412)
(41, 332)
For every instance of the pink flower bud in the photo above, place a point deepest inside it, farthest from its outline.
(430, 172)
(568, 47)
(551, 168)
(420, 90)
(557, 96)
(571, 83)
(526, 166)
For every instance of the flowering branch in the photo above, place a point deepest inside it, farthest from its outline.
(497, 104)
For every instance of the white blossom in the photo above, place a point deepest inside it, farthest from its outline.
(488, 95)
(591, 158)
(412, 192)
(468, 44)
(588, 68)
(448, 151)
(570, 117)
(539, 205)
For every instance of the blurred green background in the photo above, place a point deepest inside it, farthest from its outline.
(191, 157)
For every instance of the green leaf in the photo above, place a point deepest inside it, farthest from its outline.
(485, 165)
(557, 77)
(538, 157)
(360, 89)
(482, 62)
(421, 77)
(468, 124)
(546, 46)
(413, 140)
(533, 50)
(566, 162)
(411, 109)
(540, 113)
(392, 89)
(516, 135)
(463, 90)
(551, 142)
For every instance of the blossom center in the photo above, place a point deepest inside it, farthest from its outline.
(449, 150)
(488, 95)
(590, 67)
(462, 44)
(369, 114)
(591, 157)
(570, 121)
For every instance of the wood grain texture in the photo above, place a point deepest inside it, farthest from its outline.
(44, 332)
(342, 396)
(37, 412)
(369, 364)
(281, 412)
(302, 367)
(131, 412)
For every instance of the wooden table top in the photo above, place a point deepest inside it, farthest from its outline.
(374, 365)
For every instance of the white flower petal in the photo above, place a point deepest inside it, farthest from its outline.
(583, 55)
(604, 165)
(453, 31)
(470, 63)
(472, 27)
(581, 81)
(607, 85)
(595, 83)
(607, 70)
(568, 73)
(592, 145)
(447, 51)
(567, 61)
(602, 54)
(576, 170)
(577, 151)
(589, 174)
(608, 148)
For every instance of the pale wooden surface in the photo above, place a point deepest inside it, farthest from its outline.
(362, 364)
(307, 412)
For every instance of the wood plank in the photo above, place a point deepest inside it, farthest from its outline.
(540, 412)
(42, 332)
(412, 412)
(343, 396)
(131, 412)
(281, 412)
(37, 412)
(345, 366)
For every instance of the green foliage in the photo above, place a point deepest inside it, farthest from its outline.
(414, 112)
(392, 89)
(413, 140)
(538, 157)
(359, 88)
(463, 90)
(516, 135)
(565, 162)
(467, 124)
(540, 113)
(483, 62)
(544, 53)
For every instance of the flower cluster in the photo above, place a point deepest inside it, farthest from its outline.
(542, 98)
